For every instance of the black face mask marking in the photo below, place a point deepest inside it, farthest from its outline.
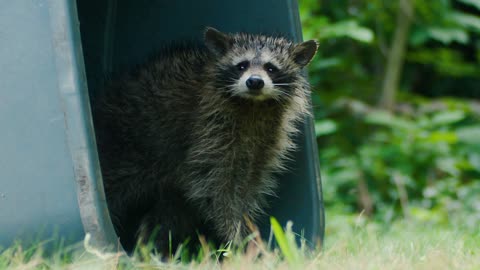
(242, 66)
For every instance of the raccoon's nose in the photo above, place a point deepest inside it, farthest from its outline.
(255, 83)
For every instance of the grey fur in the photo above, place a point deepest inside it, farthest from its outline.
(181, 150)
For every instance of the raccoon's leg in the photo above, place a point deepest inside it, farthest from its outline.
(231, 214)
(127, 200)
(224, 200)
(227, 212)
(169, 223)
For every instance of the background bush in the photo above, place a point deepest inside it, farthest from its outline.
(396, 89)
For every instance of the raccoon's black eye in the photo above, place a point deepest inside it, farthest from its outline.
(243, 65)
(270, 68)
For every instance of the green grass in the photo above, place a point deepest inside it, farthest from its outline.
(352, 242)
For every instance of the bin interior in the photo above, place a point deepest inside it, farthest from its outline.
(117, 35)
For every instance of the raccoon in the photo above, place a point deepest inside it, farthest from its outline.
(188, 142)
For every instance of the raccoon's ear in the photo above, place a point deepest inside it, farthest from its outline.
(216, 41)
(304, 52)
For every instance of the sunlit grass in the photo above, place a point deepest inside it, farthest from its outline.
(352, 242)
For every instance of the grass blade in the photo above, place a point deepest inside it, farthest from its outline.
(283, 243)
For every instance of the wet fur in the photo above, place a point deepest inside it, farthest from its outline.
(181, 153)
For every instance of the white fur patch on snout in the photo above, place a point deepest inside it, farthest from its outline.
(268, 90)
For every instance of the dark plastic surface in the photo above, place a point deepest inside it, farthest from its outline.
(117, 35)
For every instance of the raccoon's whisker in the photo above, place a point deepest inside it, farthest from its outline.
(281, 96)
(282, 77)
(285, 93)
(227, 81)
(281, 84)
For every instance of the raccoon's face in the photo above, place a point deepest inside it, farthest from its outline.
(258, 67)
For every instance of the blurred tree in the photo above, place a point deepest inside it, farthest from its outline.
(396, 54)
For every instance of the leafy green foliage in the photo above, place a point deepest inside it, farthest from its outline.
(430, 153)
(420, 160)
